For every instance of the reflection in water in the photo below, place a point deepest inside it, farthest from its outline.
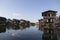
(49, 37)
(2, 28)
(49, 34)
(23, 33)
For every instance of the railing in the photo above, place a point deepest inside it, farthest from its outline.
(49, 17)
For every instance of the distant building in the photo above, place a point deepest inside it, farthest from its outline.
(41, 23)
(2, 20)
(16, 22)
(24, 23)
(49, 15)
(27, 23)
(50, 32)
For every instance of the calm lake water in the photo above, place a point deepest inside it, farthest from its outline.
(30, 33)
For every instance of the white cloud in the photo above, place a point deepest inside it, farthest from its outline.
(16, 15)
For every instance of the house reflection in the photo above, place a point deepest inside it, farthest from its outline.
(2, 28)
(16, 27)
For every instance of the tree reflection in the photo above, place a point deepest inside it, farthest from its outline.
(2, 28)
(16, 27)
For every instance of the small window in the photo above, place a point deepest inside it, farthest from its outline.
(45, 15)
(48, 14)
(48, 20)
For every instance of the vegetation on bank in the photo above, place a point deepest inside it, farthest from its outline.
(32, 24)
(15, 22)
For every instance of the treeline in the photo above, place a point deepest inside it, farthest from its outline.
(15, 22)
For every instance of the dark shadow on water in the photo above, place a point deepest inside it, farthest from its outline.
(2, 28)
(48, 34)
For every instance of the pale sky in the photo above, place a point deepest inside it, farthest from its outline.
(27, 9)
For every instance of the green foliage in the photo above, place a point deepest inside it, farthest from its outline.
(33, 24)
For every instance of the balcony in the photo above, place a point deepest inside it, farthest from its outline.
(48, 17)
